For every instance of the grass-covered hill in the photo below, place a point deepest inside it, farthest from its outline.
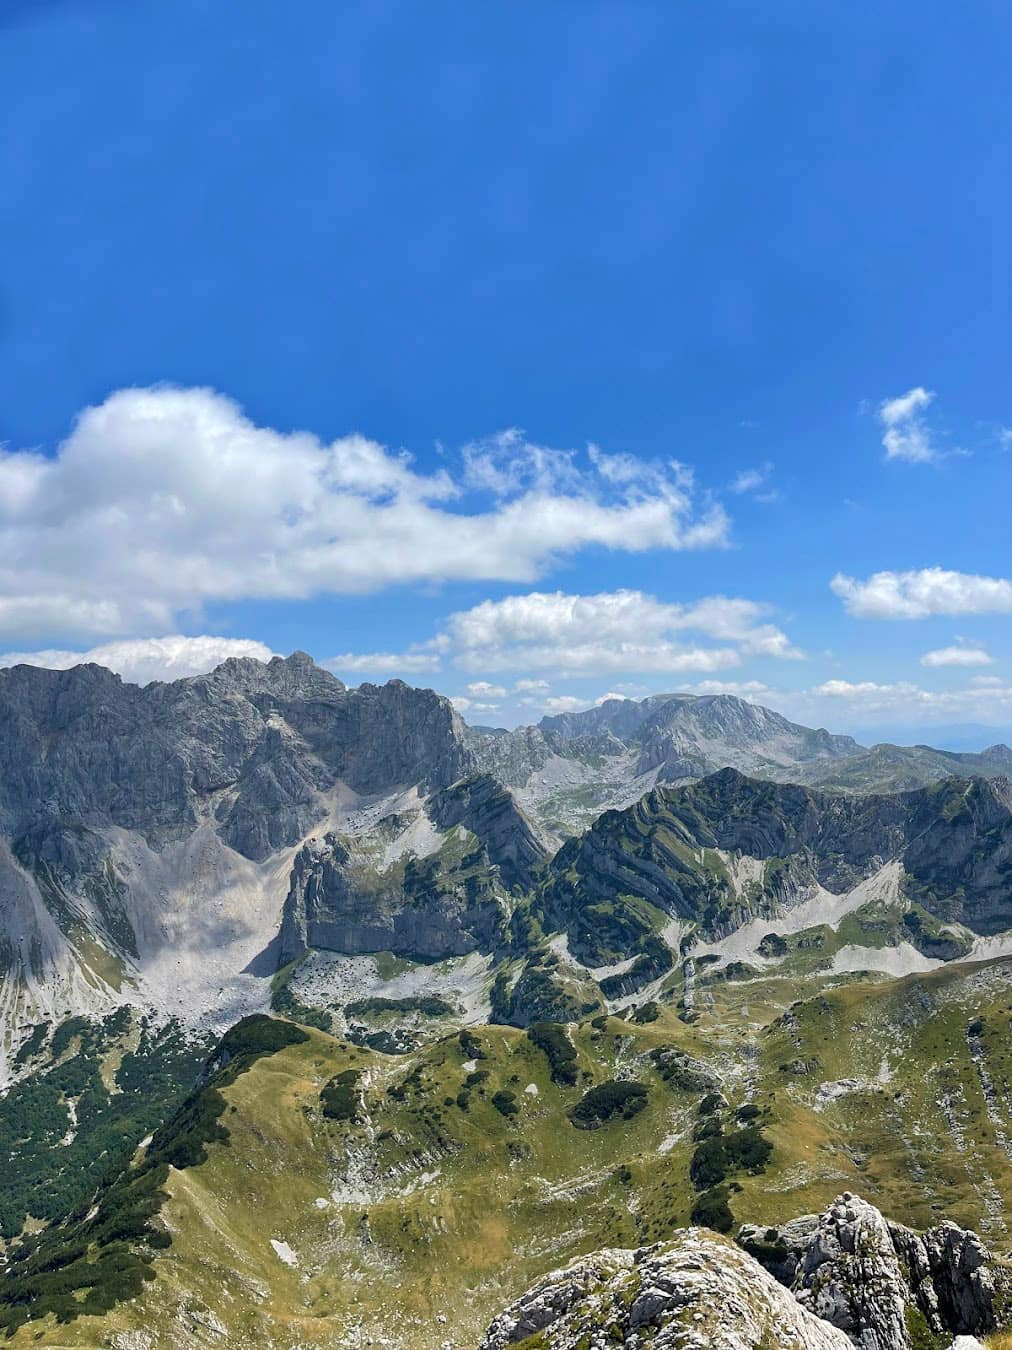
(315, 1192)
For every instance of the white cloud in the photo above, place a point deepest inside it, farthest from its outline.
(531, 686)
(957, 656)
(508, 463)
(747, 689)
(563, 703)
(470, 705)
(141, 660)
(482, 689)
(751, 480)
(383, 663)
(919, 594)
(905, 434)
(986, 700)
(861, 689)
(164, 499)
(609, 698)
(613, 631)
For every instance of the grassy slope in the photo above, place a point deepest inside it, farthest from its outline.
(445, 1212)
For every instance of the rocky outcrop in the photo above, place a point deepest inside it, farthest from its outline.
(831, 1281)
(427, 909)
(695, 1292)
(447, 900)
(251, 746)
(488, 810)
(954, 841)
(883, 1284)
(115, 801)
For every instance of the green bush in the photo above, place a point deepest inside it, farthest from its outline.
(427, 1004)
(712, 1210)
(339, 1098)
(745, 1150)
(505, 1102)
(558, 1049)
(470, 1045)
(614, 1098)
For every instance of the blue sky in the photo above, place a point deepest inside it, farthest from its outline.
(681, 312)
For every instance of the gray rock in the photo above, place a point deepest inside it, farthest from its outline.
(697, 1291)
(877, 1280)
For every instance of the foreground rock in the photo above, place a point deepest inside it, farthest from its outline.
(698, 1291)
(883, 1284)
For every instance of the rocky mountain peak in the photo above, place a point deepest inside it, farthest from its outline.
(696, 1291)
(885, 1285)
(843, 1278)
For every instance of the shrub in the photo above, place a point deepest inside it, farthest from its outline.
(744, 1150)
(339, 1098)
(616, 1097)
(428, 1004)
(505, 1102)
(551, 1039)
(712, 1210)
(470, 1044)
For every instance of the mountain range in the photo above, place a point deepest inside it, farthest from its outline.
(179, 844)
(670, 961)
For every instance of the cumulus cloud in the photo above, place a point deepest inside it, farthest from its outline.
(957, 656)
(141, 660)
(905, 434)
(463, 704)
(986, 700)
(482, 689)
(164, 499)
(563, 703)
(922, 593)
(612, 631)
(411, 662)
(746, 689)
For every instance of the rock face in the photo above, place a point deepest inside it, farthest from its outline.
(698, 1291)
(447, 896)
(881, 1283)
(483, 806)
(427, 909)
(843, 1278)
(672, 848)
(147, 819)
(165, 827)
(250, 746)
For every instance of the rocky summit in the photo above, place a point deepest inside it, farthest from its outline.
(330, 1020)
(846, 1277)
